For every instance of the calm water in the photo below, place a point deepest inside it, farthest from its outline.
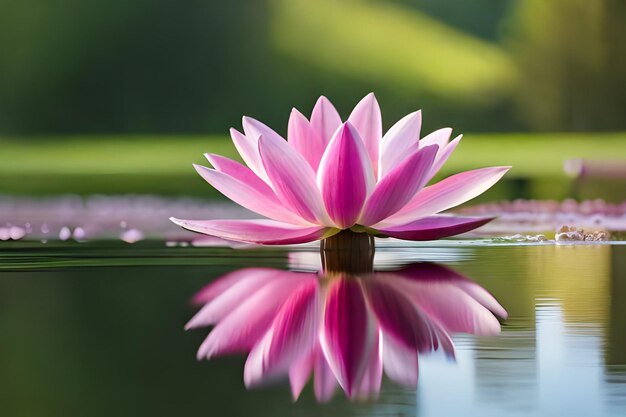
(97, 330)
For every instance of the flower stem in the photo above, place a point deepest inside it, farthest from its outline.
(348, 251)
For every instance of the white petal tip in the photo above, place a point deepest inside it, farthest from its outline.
(174, 220)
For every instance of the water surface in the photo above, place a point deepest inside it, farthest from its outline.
(96, 329)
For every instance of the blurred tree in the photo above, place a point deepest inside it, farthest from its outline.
(163, 66)
(144, 65)
(572, 55)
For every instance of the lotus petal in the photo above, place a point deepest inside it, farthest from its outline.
(446, 194)
(293, 180)
(435, 227)
(438, 137)
(264, 232)
(442, 156)
(248, 148)
(399, 141)
(367, 120)
(325, 119)
(399, 186)
(345, 176)
(240, 172)
(260, 200)
(304, 139)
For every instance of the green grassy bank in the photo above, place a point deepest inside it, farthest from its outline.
(162, 164)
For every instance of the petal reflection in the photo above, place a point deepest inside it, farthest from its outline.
(340, 329)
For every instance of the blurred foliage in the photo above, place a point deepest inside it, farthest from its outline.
(572, 55)
(161, 66)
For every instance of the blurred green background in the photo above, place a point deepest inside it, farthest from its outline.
(122, 96)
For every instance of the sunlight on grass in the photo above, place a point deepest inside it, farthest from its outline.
(387, 43)
(538, 155)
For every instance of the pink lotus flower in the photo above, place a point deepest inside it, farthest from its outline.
(344, 329)
(331, 176)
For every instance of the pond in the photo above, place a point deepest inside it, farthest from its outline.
(97, 329)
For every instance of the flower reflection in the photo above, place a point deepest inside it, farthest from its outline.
(342, 328)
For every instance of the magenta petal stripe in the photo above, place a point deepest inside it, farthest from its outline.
(399, 186)
(367, 120)
(258, 200)
(347, 332)
(304, 139)
(264, 232)
(345, 176)
(433, 274)
(435, 227)
(398, 317)
(293, 180)
(325, 119)
(446, 194)
(453, 308)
